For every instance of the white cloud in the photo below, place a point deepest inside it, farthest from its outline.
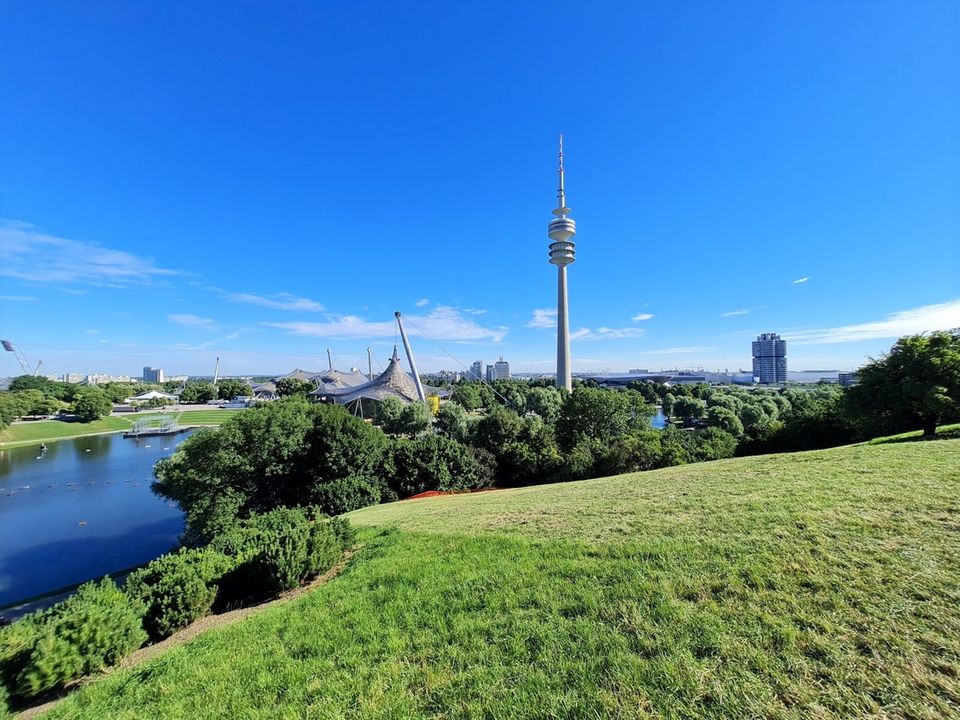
(732, 313)
(799, 281)
(191, 321)
(17, 298)
(606, 333)
(543, 318)
(278, 301)
(441, 323)
(422, 302)
(942, 316)
(31, 254)
(642, 316)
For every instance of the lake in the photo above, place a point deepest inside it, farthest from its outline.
(88, 511)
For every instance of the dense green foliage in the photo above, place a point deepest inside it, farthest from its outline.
(814, 585)
(291, 386)
(91, 403)
(177, 589)
(276, 551)
(916, 385)
(87, 632)
(286, 453)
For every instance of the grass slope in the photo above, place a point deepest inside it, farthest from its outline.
(821, 584)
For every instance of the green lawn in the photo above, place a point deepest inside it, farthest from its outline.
(205, 417)
(49, 430)
(814, 585)
(46, 430)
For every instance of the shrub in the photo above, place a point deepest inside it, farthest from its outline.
(276, 551)
(177, 589)
(87, 632)
(432, 462)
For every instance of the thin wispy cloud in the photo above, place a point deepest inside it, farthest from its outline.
(642, 316)
(676, 350)
(799, 281)
(734, 313)
(278, 301)
(209, 343)
(441, 323)
(606, 333)
(30, 254)
(17, 298)
(942, 316)
(543, 318)
(422, 302)
(192, 321)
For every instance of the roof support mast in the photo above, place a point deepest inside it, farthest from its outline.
(413, 363)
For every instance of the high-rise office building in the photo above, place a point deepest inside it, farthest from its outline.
(476, 371)
(501, 370)
(152, 375)
(770, 359)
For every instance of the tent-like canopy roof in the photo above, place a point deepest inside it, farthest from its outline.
(328, 379)
(150, 395)
(392, 382)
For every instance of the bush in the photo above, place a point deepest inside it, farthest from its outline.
(177, 589)
(276, 551)
(432, 462)
(87, 632)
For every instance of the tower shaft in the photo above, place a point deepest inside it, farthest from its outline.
(564, 376)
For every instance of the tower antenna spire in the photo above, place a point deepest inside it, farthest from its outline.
(561, 208)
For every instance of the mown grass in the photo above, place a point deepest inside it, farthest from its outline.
(822, 584)
(43, 430)
(204, 417)
(944, 432)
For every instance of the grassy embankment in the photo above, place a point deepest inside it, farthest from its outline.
(30, 433)
(821, 584)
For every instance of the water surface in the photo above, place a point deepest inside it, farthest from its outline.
(88, 511)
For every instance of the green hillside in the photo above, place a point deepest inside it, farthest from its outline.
(822, 584)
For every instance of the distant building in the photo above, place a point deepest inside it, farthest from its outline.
(638, 371)
(72, 377)
(770, 359)
(490, 377)
(501, 370)
(152, 375)
(476, 371)
(848, 379)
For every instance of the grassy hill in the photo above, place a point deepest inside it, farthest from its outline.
(821, 584)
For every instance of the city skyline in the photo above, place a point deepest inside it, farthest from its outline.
(263, 207)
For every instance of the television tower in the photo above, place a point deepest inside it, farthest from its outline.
(562, 251)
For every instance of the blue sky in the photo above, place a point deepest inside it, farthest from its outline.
(264, 181)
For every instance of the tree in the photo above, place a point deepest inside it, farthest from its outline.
(467, 394)
(91, 404)
(231, 387)
(432, 462)
(724, 418)
(916, 385)
(689, 408)
(452, 422)
(598, 414)
(198, 392)
(388, 415)
(545, 402)
(282, 454)
(288, 386)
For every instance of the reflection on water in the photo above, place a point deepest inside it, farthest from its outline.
(79, 510)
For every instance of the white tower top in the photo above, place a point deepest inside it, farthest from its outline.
(562, 228)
